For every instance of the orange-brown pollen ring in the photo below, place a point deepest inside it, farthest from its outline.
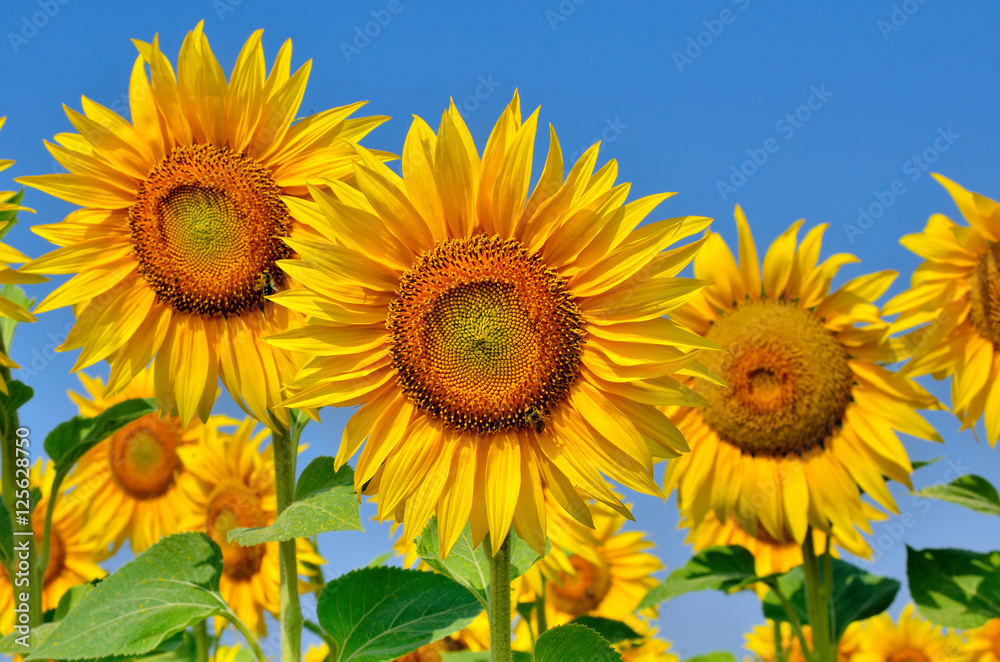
(207, 229)
(143, 456)
(484, 336)
(583, 591)
(789, 379)
(233, 505)
(985, 296)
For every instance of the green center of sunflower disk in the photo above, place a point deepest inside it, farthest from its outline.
(207, 229)
(485, 336)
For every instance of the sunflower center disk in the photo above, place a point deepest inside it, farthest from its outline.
(985, 296)
(143, 456)
(582, 592)
(206, 228)
(789, 379)
(484, 336)
(235, 505)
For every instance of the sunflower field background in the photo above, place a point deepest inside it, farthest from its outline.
(832, 114)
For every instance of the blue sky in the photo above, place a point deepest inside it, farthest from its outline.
(832, 112)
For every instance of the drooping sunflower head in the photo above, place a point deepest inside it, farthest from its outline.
(131, 478)
(911, 639)
(952, 310)
(500, 343)
(76, 546)
(808, 416)
(183, 218)
(230, 484)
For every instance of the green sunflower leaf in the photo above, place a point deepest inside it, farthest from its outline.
(971, 491)
(70, 599)
(378, 614)
(16, 397)
(469, 565)
(11, 214)
(17, 642)
(70, 440)
(574, 642)
(481, 656)
(720, 568)
(857, 595)
(955, 587)
(613, 631)
(324, 501)
(171, 586)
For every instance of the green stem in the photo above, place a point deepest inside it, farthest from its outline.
(50, 507)
(793, 620)
(7, 445)
(250, 639)
(201, 642)
(499, 611)
(817, 601)
(780, 655)
(285, 451)
(540, 614)
(827, 565)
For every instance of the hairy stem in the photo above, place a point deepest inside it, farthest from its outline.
(817, 601)
(499, 611)
(285, 451)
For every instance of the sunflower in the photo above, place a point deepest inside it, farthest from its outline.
(183, 214)
(811, 415)
(609, 579)
(983, 643)
(231, 484)
(648, 649)
(8, 276)
(476, 327)
(761, 642)
(912, 639)
(75, 547)
(129, 481)
(955, 300)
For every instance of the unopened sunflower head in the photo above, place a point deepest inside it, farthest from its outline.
(229, 481)
(76, 546)
(499, 342)
(952, 310)
(810, 417)
(182, 219)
